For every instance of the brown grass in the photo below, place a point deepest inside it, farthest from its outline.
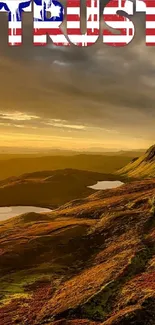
(89, 262)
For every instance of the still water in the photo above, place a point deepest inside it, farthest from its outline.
(104, 185)
(9, 212)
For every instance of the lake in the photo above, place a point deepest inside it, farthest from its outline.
(9, 212)
(104, 185)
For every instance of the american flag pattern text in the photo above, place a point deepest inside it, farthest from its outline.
(92, 22)
(14, 8)
(148, 6)
(44, 25)
(119, 23)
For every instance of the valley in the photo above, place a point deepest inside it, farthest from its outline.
(49, 189)
(89, 261)
(16, 165)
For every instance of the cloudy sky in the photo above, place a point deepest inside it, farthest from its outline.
(74, 97)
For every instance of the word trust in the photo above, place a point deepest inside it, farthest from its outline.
(48, 16)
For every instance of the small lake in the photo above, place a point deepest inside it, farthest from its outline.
(104, 185)
(9, 212)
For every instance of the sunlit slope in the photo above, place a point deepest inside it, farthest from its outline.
(90, 262)
(141, 167)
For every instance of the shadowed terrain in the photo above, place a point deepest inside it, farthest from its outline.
(49, 188)
(106, 164)
(52, 188)
(89, 262)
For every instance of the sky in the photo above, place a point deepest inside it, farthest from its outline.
(77, 98)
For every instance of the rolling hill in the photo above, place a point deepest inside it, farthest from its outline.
(17, 166)
(142, 167)
(48, 188)
(90, 262)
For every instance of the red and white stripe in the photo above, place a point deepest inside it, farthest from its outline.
(15, 26)
(74, 22)
(15, 33)
(42, 29)
(120, 23)
(148, 6)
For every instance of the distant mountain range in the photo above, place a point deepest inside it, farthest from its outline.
(68, 152)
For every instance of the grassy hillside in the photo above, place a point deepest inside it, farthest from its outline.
(141, 167)
(48, 188)
(96, 163)
(90, 262)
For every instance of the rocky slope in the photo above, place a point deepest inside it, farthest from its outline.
(92, 261)
(141, 167)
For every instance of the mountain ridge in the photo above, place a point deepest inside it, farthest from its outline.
(142, 167)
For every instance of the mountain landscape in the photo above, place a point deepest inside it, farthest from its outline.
(48, 188)
(16, 165)
(91, 260)
(77, 163)
(141, 167)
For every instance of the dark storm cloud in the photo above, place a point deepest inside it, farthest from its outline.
(96, 87)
